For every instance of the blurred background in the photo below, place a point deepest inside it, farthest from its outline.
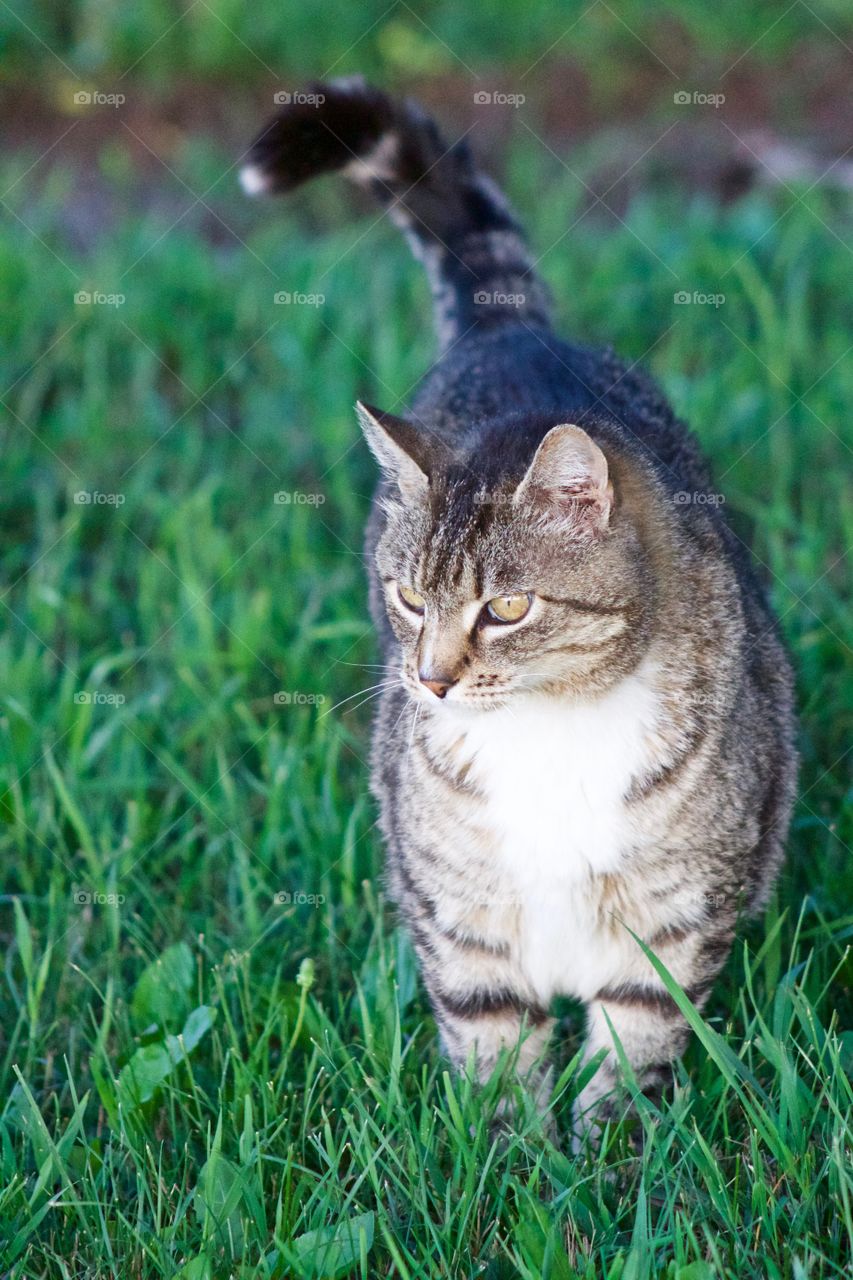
(597, 82)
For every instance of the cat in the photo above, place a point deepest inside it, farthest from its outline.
(588, 733)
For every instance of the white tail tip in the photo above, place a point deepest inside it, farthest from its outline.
(253, 180)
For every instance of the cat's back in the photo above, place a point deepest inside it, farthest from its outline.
(520, 370)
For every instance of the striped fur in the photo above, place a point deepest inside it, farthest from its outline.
(456, 220)
(620, 762)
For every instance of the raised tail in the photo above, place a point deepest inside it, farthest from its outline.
(455, 219)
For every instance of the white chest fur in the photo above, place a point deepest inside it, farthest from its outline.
(554, 776)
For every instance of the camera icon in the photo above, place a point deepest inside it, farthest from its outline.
(681, 99)
(82, 498)
(681, 499)
(281, 299)
(282, 99)
(481, 97)
(283, 698)
(82, 698)
(482, 297)
(82, 298)
(81, 898)
(283, 898)
(681, 298)
(82, 98)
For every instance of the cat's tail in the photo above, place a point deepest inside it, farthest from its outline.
(457, 222)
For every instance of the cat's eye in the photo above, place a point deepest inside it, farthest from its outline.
(411, 599)
(508, 608)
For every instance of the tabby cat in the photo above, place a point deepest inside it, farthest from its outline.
(588, 732)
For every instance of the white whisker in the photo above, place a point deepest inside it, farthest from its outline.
(377, 694)
(406, 705)
(383, 684)
(414, 722)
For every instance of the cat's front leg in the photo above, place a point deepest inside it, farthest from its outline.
(480, 1020)
(652, 1034)
(645, 1019)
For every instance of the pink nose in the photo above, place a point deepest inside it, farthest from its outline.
(439, 686)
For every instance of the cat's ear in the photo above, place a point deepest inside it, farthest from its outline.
(569, 473)
(399, 448)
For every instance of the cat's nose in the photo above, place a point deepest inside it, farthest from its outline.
(438, 684)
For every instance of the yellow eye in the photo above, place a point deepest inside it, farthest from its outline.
(508, 608)
(411, 599)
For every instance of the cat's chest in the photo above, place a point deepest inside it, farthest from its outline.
(554, 776)
(554, 779)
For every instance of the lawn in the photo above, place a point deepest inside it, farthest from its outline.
(187, 842)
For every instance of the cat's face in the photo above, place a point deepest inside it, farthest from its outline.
(525, 589)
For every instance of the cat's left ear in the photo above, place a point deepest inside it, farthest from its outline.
(569, 473)
(400, 448)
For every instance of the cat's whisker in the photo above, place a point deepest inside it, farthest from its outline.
(406, 706)
(367, 666)
(370, 697)
(414, 723)
(383, 684)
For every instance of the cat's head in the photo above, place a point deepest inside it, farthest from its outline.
(508, 568)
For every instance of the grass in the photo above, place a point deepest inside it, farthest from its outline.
(183, 853)
(165, 45)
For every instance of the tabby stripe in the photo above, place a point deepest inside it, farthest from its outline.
(580, 648)
(420, 935)
(700, 991)
(426, 904)
(673, 934)
(658, 1069)
(456, 781)
(656, 1001)
(467, 942)
(587, 606)
(715, 950)
(443, 867)
(643, 787)
(482, 1002)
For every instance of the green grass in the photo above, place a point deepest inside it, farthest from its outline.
(165, 46)
(313, 1128)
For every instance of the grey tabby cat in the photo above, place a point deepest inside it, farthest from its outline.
(591, 735)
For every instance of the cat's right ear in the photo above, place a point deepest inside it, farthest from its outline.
(569, 473)
(398, 447)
